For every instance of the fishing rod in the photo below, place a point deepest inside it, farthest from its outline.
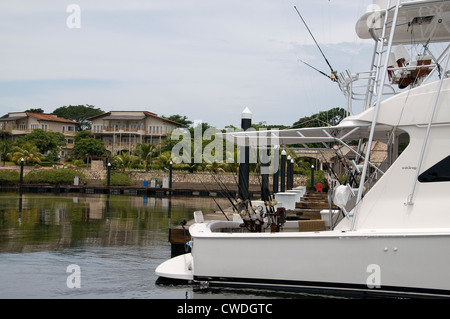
(247, 194)
(213, 199)
(265, 188)
(237, 182)
(247, 191)
(227, 193)
(275, 219)
(234, 176)
(222, 184)
(333, 76)
(323, 73)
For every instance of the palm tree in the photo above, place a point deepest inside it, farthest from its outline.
(125, 160)
(163, 160)
(216, 167)
(28, 151)
(5, 150)
(145, 152)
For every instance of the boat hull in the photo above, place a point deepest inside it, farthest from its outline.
(375, 263)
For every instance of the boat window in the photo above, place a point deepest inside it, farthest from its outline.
(439, 172)
(403, 142)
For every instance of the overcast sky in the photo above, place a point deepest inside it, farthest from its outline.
(206, 59)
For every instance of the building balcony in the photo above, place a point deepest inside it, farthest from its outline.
(68, 146)
(18, 131)
(109, 131)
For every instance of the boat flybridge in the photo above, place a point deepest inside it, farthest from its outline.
(392, 235)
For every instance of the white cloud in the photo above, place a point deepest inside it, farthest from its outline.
(204, 59)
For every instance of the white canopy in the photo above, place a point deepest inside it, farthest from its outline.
(343, 132)
(418, 21)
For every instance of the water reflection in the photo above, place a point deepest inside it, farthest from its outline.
(36, 222)
(117, 241)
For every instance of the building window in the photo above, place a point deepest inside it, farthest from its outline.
(71, 128)
(69, 141)
(34, 126)
(98, 128)
(44, 127)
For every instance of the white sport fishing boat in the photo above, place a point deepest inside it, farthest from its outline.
(393, 232)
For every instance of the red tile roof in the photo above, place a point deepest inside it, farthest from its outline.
(49, 117)
(162, 118)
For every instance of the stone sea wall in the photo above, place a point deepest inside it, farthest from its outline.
(182, 177)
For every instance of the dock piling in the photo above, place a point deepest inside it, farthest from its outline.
(244, 163)
(283, 171)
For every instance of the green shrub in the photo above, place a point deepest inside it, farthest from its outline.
(53, 176)
(119, 179)
(319, 177)
(9, 176)
(79, 163)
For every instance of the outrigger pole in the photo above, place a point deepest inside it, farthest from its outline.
(333, 76)
(323, 73)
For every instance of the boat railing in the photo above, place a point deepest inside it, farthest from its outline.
(360, 87)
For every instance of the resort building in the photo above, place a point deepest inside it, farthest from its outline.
(122, 131)
(22, 123)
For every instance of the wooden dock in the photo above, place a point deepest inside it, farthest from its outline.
(312, 203)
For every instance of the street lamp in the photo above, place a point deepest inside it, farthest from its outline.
(109, 174)
(288, 173)
(283, 170)
(292, 174)
(170, 174)
(21, 170)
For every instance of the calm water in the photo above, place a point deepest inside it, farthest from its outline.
(116, 241)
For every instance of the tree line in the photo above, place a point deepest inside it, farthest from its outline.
(42, 146)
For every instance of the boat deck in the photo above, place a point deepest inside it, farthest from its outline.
(307, 212)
